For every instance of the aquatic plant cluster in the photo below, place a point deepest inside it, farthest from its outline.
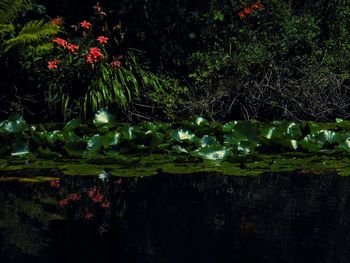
(197, 139)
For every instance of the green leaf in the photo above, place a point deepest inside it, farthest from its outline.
(207, 141)
(157, 139)
(181, 135)
(128, 133)
(249, 129)
(228, 127)
(214, 153)
(329, 137)
(290, 144)
(179, 149)
(293, 131)
(200, 121)
(313, 127)
(342, 124)
(246, 147)
(219, 15)
(20, 150)
(344, 145)
(110, 139)
(72, 125)
(94, 143)
(102, 117)
(74, 149)
(70, 136)
(15, 124)
(272, 133)
(311, 144)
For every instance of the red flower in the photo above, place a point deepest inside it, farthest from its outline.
(58, 21)
(102, 39)
(116, 64)
(85, 24)
(52, 65)
(90, 59)
(54, 183)
(73, 48)
(61, 42)
(96, 52)
(94, 55)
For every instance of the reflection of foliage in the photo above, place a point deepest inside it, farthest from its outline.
(23, 228)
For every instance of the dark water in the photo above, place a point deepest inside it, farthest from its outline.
(172, 218)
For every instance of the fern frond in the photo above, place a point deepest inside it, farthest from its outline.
(9, 9)
(39, 49)
(32, 33)
(6, 29)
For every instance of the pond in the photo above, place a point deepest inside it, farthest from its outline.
(202, 217)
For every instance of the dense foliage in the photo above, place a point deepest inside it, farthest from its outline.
(196, 140)
(224, 59)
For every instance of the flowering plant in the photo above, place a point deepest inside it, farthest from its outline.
(91, 69)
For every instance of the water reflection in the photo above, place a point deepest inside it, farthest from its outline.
(171, 218)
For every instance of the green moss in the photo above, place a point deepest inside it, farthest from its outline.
(136, 165)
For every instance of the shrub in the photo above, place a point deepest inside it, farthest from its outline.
(91, 69)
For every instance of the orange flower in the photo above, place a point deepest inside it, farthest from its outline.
(73, 48)
(247, 10)
(241, 14)
(52, 65)
(85, 24)
(257, 5)
(58, 21)
(102, 39)
(61, 42)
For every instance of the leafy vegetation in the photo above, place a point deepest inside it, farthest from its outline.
(89, 62)
(196, 141)
(225, 60)
(30, 37)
